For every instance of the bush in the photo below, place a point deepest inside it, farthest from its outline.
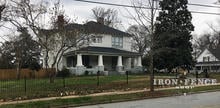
(86, 73)
(34, 65)
(63, 73)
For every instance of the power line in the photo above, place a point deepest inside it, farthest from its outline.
(3, 38)
(113, 4)
(202, 5)
(207, 13)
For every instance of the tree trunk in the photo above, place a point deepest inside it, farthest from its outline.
(46, 65)
(58, 61)
(52, 74)
(151, 49)
(151, 72)
(18, 70)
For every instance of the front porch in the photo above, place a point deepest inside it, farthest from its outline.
(111, 63)
(212, 66)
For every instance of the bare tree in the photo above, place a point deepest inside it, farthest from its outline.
(60, 41)
(59, 38)
(209, 41)
(2, 7)
(215, 35)
(25, 14)
(140, 37)
(110, 16)
(145, 14)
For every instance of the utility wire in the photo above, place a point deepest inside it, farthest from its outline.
(3, 38)
(202, 5)
(113, 4)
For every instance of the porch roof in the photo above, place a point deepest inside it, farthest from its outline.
(210, 63)
(106, 51)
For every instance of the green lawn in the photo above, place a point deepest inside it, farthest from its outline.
(89, 100)
(38, 88)
(35, 88)
(104, 99)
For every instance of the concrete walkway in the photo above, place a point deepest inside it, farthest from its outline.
(96, 94)
(202, 100)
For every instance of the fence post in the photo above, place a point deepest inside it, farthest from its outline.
(25, 84)
(197, 75)
(127, 76)
(98, 73)
(64, 85)
(176, 73)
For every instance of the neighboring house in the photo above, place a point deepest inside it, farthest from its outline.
(209, 60)
(109, 51)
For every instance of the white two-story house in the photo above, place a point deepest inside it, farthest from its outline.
(108, 52)
(209, 60)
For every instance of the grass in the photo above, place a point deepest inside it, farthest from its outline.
(83, 100)
(36, 88)
(215, 76)
(104, 99)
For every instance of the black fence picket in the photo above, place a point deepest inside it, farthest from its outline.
(127, 72)
(98, 74)
(25, 84)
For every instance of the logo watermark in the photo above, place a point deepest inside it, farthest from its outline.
(185, 82)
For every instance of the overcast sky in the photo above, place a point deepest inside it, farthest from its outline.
(82, 11)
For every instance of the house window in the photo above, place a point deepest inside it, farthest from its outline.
(117, 42)
(97, 39)
(206, 59)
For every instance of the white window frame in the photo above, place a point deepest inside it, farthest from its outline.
(97, 39)
(117, 41)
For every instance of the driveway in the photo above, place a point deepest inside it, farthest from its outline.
(203, 100)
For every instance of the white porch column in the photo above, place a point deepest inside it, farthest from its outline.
(135, 61)
(119, 61)
(79, 60)
(138, 68)
(100, 64)
(127, 63)
(119, 67)
(100, 60)
(80, 69)
(139, 61)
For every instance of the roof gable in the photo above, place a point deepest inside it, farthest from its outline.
(215, 52)
(210, 53)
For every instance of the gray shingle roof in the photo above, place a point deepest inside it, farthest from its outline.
(96, 28)
(215, 52)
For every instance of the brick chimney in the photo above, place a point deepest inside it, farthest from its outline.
(60, 21)
(100, 20)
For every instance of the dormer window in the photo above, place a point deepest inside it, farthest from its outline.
(117, 42)
(97, 39)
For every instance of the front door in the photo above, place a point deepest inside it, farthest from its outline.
(114, 63)
(85, 59)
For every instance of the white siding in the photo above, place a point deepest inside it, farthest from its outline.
(127, 43)
(206, 53)
(107, 42)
